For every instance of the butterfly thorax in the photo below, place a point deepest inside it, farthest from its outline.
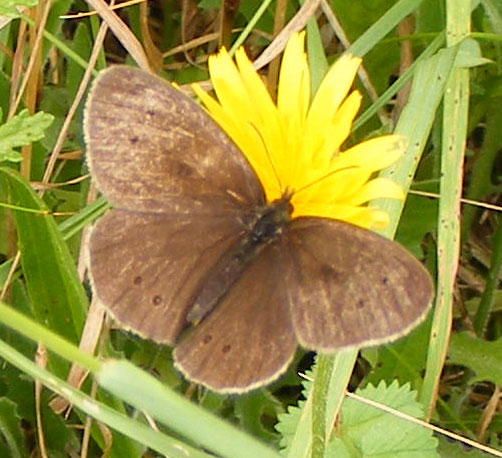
(261, 226)
(267, 223)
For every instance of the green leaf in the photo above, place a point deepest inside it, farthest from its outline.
(483, 357)
(250, 410)
(419, 218)
(469, 55)
(367, 431)
(8, 7)
(58, 297)
(10, 430)
(133, 428)
(449, 449)
(403, 360)
(288, 423)
(22, 129)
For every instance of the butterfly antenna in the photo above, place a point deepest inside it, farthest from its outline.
(296, 191)
(271, 162)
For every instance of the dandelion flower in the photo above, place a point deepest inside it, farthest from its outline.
(294, 146)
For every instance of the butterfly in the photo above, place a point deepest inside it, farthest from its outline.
(192, 255)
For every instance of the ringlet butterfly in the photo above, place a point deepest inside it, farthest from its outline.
(192, 255)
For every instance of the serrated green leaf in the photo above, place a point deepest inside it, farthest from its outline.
(8, 7)
(289, 423)
(22, 129)
(483, 357)
(367, 431)
(11, 156)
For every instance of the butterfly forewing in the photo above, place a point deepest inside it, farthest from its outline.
(185, 188)
(349, 287)
(152, 149)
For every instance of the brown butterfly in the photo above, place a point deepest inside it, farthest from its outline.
(192, 255)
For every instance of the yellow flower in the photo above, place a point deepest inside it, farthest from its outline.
(294, 145)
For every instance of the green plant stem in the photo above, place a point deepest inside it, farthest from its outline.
(400, 82)
(135, 387)
(132, 428)
(250, 26)
(394, 15)
(32, 330)
(323, 371)
(486, 302)
(146, 393)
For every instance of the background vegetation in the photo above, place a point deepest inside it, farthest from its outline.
(431, 72)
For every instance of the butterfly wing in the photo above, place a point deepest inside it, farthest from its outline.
(350, 287)
(248, 339)
(184, 188)
(151, 149)
(146, 268)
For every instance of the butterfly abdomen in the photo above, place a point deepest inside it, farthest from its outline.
(262, 227)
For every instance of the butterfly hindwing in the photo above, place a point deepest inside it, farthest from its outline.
(248, 339)
(350, 287)
(146, 268)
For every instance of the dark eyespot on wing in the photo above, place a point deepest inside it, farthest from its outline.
(330, 273)
(182, 169)
(207, 338)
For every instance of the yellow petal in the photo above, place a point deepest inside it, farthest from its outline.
(342, 122)
(293, 94)
(228, 85)
(337, 131)
(370, 218)
(333, 89)
(377, 188)
(375, 154)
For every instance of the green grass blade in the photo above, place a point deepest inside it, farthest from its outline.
(144, 392)
(55, 290)
(383, 26)
(455, 114)
(131, 428)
